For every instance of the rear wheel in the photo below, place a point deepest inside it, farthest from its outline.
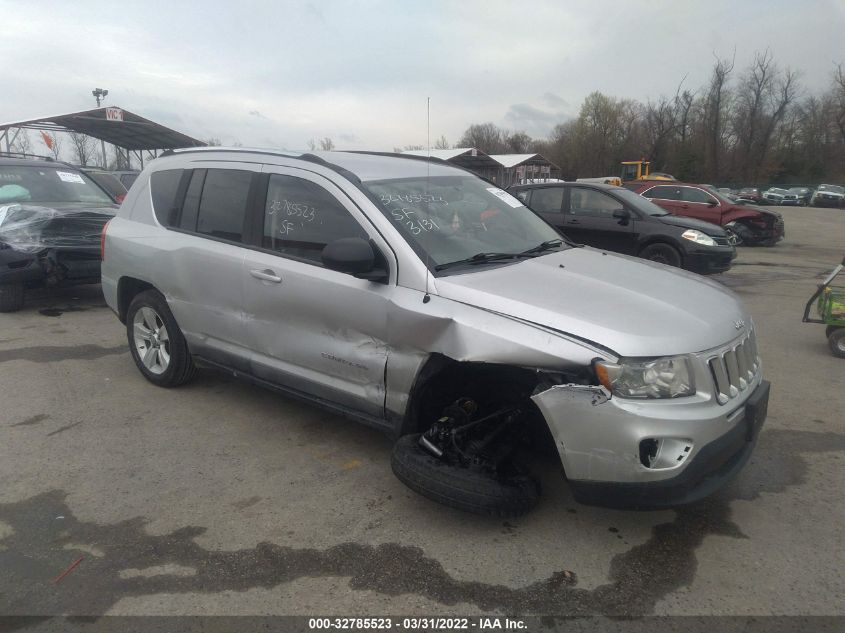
(156, 342)
(662, 254)
(836, 342)
(11, 297)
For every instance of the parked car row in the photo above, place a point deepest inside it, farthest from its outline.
(823, 196)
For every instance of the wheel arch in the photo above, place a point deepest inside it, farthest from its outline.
(127, 289)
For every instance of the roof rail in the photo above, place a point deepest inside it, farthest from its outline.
(398, 155)
(26, 156)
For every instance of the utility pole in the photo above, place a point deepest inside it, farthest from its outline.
(99, 93)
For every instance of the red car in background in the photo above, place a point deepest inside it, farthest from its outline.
(750, 224)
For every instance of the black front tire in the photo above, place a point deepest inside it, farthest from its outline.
(11, 297)
(662, 254)
(836, 342)
(181, 368)
(462, 488)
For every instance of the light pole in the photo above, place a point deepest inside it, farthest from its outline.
(99, 94)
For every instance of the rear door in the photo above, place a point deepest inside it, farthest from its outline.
(315, 331)
(589, 220)
(699, 204)
(548, 203)
(204, 284)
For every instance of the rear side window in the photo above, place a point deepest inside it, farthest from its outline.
(164, 185)
(223, 203)
(692, 194)
(548, 200)
(664, 193)
(301, 217)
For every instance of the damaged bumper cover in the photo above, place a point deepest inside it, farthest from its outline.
(628, 453)
(42, 244)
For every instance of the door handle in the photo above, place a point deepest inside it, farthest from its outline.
(574, 222)
(266, 275)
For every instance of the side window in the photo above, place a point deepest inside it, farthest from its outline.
(523, 195)
(223, 203)
(300, 218)
(693, 194)
(164, 186)
(592, 202)
(663, 193)
(547, 200)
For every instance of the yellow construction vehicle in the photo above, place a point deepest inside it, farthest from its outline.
(639, 170)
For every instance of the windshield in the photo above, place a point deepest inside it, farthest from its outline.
(447, 219)
(49, 185)
(635, 200)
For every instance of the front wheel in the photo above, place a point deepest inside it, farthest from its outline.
(836, 342)
(662, 254)
(11, 297)
(465, 488)
(156, 342)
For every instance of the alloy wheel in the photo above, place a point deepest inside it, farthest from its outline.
(152, 341)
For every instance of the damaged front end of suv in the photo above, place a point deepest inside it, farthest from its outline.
(42, 246)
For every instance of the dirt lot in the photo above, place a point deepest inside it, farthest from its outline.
(223, 498)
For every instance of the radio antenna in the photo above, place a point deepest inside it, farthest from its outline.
(427, 296)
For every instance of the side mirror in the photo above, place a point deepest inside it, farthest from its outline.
(623, 215)
(355, 256)
(712, 203)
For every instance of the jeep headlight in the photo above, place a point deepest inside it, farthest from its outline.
(669, 377)
(698, 237)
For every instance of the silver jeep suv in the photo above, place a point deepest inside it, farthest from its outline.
(415, 297)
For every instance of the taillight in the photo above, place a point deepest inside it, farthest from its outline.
(103, 241)
(120, 197)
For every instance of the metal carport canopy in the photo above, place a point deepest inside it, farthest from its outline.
(131, 131)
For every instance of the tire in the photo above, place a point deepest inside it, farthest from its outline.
(11, 297)
(836, 342)
(662, 254)
(156, 342)
(465, 489)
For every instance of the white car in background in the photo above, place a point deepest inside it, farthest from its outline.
(828, 196)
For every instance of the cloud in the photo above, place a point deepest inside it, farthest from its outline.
(532, 120)
(309, 70)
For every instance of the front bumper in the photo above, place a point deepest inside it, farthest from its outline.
(710, 260)
(600, 439)
(821, 201)
(53, 266)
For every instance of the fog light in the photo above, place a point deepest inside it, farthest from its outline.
(661, 453)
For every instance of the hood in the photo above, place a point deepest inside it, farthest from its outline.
(691, 223)
(631, 306)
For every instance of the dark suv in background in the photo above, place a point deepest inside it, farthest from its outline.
(51, 219)
(618, 220)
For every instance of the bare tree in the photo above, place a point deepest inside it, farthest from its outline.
(22, 143)
(716, 103)
(212, 141)
(83, 146)
(325, 144)
(484, 136)
(518, 142)
(442, 143)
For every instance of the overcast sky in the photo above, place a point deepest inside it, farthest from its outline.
(276, 74)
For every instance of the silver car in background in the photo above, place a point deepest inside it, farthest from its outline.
(415, 297)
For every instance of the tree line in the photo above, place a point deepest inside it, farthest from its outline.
(755, 125)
